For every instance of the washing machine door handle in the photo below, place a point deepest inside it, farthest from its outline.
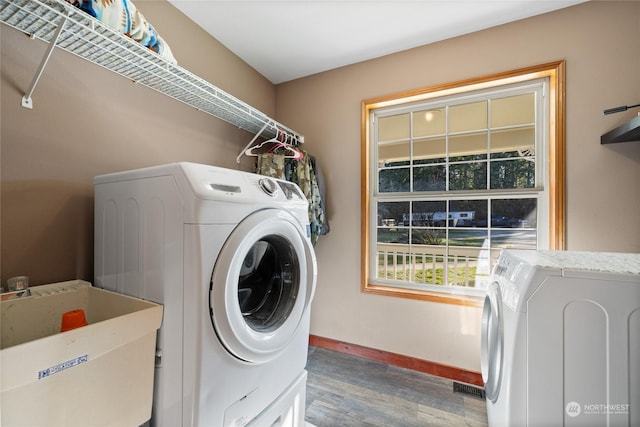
(492, 342)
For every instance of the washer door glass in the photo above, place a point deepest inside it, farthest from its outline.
(268, 283)
(491, 339)
(262, 285)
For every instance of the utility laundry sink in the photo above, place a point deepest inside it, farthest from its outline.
(99, 375)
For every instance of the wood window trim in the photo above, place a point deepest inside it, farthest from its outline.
(555, 72)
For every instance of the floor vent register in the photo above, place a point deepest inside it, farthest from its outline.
(469, 390)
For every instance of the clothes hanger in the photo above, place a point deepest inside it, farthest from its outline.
(251, 142)
(291, 151)
(280, 140)
(250, 150)
(274, 140)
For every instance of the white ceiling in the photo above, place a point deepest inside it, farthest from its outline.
(287, 39)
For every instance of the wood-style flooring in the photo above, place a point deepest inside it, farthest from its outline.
(349, 391)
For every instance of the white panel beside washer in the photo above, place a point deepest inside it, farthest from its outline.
(561, 339)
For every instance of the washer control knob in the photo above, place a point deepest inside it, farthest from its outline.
(269, 186)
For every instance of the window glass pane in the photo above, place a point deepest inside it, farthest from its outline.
(513, 173)
(468, 213)
(395, 263)
(508, 239)
(389, 218)
(391, 214)
(429, 178)
(393, 180)
(468, 117)
(514, 213)
(428, 236)
(430, 213)
(468, 176)
(521, 141)
(468, 147)
(462, 270)
(393, 154)
(428, 267)
(513, 110)
(393, 235)
(432, 150)
(392, 128)
(468, 238)
(429, 123)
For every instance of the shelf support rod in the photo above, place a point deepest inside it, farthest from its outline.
(26, 99)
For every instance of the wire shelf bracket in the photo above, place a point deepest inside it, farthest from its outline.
(61, 25)
(27, 102)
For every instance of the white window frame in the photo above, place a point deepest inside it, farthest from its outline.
(548, 82)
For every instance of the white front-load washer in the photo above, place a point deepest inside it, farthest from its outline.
(560, 339)
(228, 254)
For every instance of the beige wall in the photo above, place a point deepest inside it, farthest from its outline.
(87, 121)
(602, 181)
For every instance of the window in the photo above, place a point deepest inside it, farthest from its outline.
(454, 174)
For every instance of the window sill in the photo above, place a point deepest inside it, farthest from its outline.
(439, 297)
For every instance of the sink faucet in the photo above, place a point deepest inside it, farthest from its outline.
(18, 287)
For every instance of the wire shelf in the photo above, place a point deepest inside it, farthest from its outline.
(88, 38)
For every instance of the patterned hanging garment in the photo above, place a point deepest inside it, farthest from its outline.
(302, 173)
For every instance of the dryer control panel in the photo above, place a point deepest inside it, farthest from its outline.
(511, 273)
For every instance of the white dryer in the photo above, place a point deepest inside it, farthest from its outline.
(561, 339)
(228, 255)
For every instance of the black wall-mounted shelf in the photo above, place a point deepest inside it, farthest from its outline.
(629, 131)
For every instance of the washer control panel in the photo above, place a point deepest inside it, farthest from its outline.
(214, 183)
(291, 190)
(269, 186)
